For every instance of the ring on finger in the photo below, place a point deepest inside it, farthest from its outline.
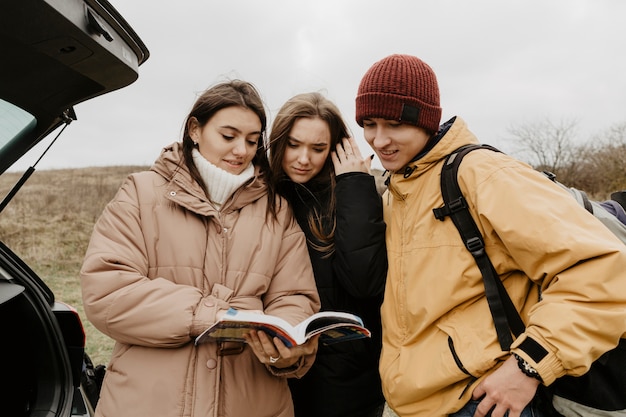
(273, 359)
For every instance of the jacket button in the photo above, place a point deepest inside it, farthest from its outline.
(172, 193)
(211, 363)
(209, 303)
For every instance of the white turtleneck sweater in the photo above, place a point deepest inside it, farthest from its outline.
(221, 184)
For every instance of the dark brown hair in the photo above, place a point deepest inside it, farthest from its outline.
(309, 105)
(220, 96)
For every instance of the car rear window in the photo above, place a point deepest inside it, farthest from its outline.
(14, 122)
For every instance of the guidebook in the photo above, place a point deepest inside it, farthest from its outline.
(334, 327)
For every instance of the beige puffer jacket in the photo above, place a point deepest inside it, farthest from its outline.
(162, 261)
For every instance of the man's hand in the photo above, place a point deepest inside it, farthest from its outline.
(506, 389)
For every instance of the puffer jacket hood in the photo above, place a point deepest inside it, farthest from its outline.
(438, 335)
(161, 263)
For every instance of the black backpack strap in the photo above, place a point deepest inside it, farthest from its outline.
(505, 317)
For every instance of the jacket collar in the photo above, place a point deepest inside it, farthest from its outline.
(185, 191)
(452, 135)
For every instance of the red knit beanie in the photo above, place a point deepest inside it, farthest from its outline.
(402, 88)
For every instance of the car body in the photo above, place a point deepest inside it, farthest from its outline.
(55, 54)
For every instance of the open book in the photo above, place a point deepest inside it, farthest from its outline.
(334, 327)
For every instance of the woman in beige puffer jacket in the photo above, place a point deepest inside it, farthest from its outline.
(180, 244)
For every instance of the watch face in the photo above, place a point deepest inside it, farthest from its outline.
(526, 368)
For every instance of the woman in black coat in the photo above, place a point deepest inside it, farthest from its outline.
(318, 168)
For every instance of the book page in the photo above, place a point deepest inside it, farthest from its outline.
(235, 331)
(235, 324)
(327, 319)
(334, 326)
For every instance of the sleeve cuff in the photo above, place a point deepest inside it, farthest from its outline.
(543, 361)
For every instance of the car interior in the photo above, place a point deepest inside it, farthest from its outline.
(32, 374)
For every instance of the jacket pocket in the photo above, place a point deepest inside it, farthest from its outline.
(456, 358)
(473, 355)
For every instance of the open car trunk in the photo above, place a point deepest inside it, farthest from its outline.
(57, 53)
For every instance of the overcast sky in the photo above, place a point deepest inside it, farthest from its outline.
(500, 63)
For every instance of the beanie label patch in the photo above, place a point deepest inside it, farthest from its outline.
(401, 88)
(409, 114)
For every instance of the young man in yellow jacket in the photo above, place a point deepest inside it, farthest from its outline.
(564, 270)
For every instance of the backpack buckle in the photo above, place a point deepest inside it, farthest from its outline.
(452, 207)
(475, 246)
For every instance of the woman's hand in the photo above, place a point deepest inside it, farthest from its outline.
(275, 353)
(347, 158)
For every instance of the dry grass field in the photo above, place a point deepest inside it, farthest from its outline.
(48, 224)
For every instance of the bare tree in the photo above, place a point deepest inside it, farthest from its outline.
(546, 145)
(597, 166)
(607, 159)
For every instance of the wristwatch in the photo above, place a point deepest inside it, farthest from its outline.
(526, 368)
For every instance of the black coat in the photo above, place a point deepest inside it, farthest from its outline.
(344, 380)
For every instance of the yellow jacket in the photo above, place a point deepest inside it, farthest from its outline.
(438, 334)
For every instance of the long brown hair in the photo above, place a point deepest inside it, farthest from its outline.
(220, 96)
(309, 105)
